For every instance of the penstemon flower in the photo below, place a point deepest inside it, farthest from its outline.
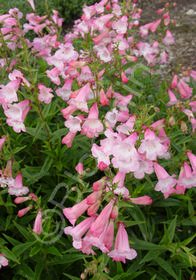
(122, 251)
(3, 261)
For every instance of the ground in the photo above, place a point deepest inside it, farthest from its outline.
(184, 31)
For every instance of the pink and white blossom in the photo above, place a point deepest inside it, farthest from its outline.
(3, 261)
(45, 94)
(122, 251)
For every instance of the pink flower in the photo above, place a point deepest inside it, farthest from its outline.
(144, 29)
(79, 168)
(16, 114)
(151, 146)
(109, 235)
(80, 101)
(189, 178)
(45, 94)
(100, 184)
(93, 197)
(92, 210)
(102, 157)
(68, 139)
(142, 200)
(65, 91)
(3, 261)
(17, 188)
(119, 178)
(121, 25)
(169, 39)
(97, 240)
(6, 178)
(166, 182)
(122, 250)
(53, 75)
(73, 123)
(31, 2)
(23, 211)
(92, 125)
(184, 89)
(78, 231)
(68, 111)
(97, 40)
(38, 223)
(164, 56)
(154, 25)
(145, 166)
(17, 75)
(166, 18)
(193, 106)
(124, 78)
(192, 159)
(99, 224)
(174, 82)
(103, 98)
(31, 196)
(173, 99)
(8, 93)
(76, 211)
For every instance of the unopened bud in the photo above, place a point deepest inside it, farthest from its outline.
(184, 127)
(92, 210)
(100, 184)
(21, 199)
(83, 276)
(23, 211)
(114, 213)
(157, 110)
(171, 121)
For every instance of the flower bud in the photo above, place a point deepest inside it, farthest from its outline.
(114, 213)
(171, 121)
(38, 223)
(143, 200)
(92, 210)
(23, 211)
(183, 127)
(93, 197)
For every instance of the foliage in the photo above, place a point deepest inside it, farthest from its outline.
(87, 126)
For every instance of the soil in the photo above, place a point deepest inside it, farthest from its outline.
(183, 52)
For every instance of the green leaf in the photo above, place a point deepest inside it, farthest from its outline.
(59, 133)
(27, 235)
(167, 267)
(71, 277)
(68, 258)
(37, 132)
(123, 204)
(119, 268)
(38, 270)
(9, 255)
(127, 276)
(18, 149)
(172, 229)
(144, 245)
(151, 255)
(26, 271)
(53, 251)
(35, 250)
(13, 241)
(19, 249)
(188, 240)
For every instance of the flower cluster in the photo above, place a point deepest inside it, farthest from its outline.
(91, 72)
